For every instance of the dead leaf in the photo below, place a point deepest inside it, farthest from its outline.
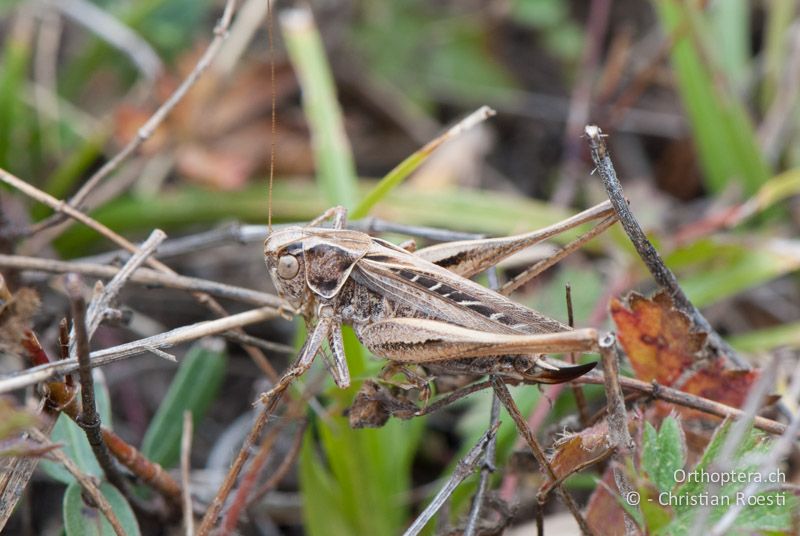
(577, 451)
(658, 339)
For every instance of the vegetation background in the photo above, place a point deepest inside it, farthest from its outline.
(700, 100)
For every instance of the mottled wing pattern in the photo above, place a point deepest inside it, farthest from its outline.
(436, 293)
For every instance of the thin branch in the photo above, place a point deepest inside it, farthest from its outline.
(85, 482)
(186, 467)
(240, 499)
(736, 434)
(146, 130)
(142, 276)
(662, 275)
(486, 472)
(60, 206)
(465, 467)
(577, 391)
(98, 306)
(89, 419)
(505, 397)
(681, 398)
(781, 448)
(210, 517)
(619, 437)
(286, 464)
(34, 375)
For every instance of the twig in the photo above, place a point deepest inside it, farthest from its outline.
(89, 419)
(60, 206)
(142, 276)
(86, 483)
(465, 467)
(186, 448)
(619, 437)
(580, 101)
(577, 391)
(146, 130)
(486, 472)
(681, 398)
(98, 306)
(210, 517)
(285, 465)
(505, 397)
(733, 440)
(779, 450)
(34, 375)
(240, 499)
(662, 275)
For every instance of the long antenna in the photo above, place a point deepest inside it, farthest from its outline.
(273, 119)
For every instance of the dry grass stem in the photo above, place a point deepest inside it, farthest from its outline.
(34, 375)
(86, 482)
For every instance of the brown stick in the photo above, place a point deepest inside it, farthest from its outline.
(504, 395)
(147, 130)
(43, 197)
(89, 419)
(619, 438)
(674, 396)
(662, 275)
(86, 483)
(142, 276)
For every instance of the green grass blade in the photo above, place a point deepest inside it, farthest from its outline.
(193, 389)
(15, 57)
(723, 133)
(467, 210)
(780, 14)
(82, 520)
(768, 339)
(407, 166)
(365, 474)
(334, 159)
(730, 22)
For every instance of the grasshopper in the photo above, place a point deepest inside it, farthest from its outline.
(419, 307)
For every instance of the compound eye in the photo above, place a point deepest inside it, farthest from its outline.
(288, 266)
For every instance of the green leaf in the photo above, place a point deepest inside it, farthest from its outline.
(80, 519)
(193, 389)
(663, 453)
(716, 268)
(457, 209)
(362, 475)
(73, 438)
(724, 135)
(764, 340)
(15, 59)
(322, 509)
(776, 512)
(336, 173)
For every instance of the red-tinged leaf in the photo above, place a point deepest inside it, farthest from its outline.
(729, 387)
(603, 513)
(657, 338)
(34, 349)
(578, 451)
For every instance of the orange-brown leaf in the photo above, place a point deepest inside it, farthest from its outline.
(578, 451)
(657, 338)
